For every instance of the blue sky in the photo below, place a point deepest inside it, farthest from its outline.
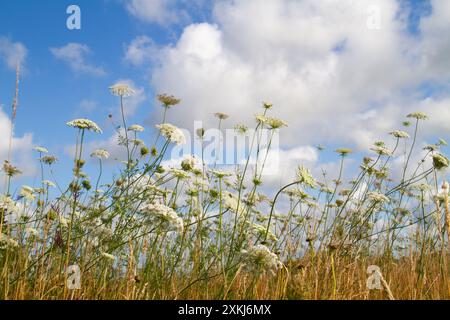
(52, 93)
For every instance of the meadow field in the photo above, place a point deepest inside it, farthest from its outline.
(198, 231)
(224, 150)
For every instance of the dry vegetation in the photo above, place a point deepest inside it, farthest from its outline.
(198, 232)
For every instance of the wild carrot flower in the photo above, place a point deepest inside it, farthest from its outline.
(85, 124)
(10, 170)
(121, 90)
(260, 231)
(260, 118)
(382, 151)
(378, 197)
(168, 101)
(431, 147)
(189, 163)
(221, 116)
(418, 116)
(259, 259)
(200, 133)
(172, 133)
(241, 129)
(400, 134)
(137, 142)
(41, 149)
(49, 160)
(305, 177)
(440, 161)
(7, 204)
(231, 202)
(27, 193)
(220, 174)
(48, 183)
(274, 123)
(180, 174)
(162, 216)
(267, 105)
(100, 154)
(136, 128)
(343, 151)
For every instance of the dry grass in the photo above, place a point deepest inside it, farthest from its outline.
(196, 232)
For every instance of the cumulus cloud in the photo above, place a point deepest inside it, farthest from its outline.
(332, 75)
(75, 55)
(167, 12)
(156, 11)
(12, 53)
(435, 46)
(280, 165)
(141, 50)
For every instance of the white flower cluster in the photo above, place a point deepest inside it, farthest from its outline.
(232, 203)
(121, 90)
(260, 259)
(378, 197)
(27, 193)
(260, 231)
(7, 242)
(85, 124)
(136, 128)
(40, 149)
(8, 205)
(189, 163)
(162, 216)
(180, 174)
(172, 133)
(100, 154)
(98, 229)
(220, 174)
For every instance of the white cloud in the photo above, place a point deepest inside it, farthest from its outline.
(284, 51)
(75, 55)
(280, 165)
(435, 47)
(12, 53)
(22, 148)
(141, 50)
(156, 11)
(167, 12)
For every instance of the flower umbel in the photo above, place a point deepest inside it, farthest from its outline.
(121, 90)
(85, 124)
(172, 133)
(260, 259)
